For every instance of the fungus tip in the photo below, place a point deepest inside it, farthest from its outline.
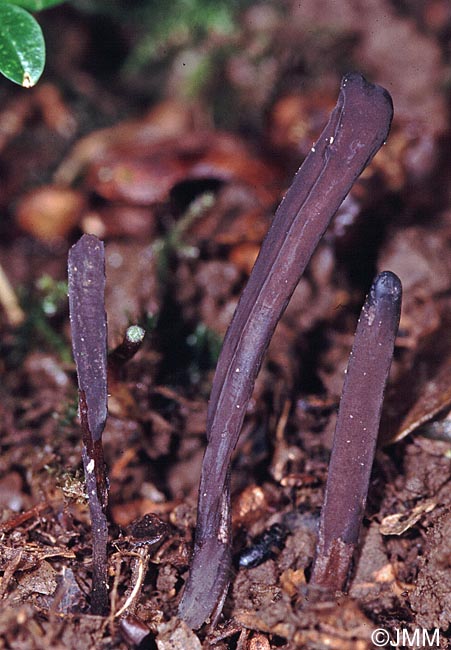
(387, 285)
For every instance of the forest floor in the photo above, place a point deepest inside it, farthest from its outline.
(177, 160)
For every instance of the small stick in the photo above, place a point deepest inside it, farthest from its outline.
(8, 300)
(139, 567)
(356, 130)
(86, 270)
(133, 338)
(17, 520)
(9, 571)
(356, 432)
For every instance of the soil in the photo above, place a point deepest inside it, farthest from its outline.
(177, 163)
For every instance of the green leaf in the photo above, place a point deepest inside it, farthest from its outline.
(36, 5)
(22, 48)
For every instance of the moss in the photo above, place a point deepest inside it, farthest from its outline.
(43, 305)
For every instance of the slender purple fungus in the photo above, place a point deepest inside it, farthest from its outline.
(356, 432)
(86, 273)
(357, 128)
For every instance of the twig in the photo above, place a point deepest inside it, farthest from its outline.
(133, 338)
(139, 569)
(8, 300)
(9, 571)
(22, 517)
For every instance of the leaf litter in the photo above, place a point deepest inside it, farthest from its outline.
(132, 184)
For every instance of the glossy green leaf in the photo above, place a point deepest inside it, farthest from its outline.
(22, 48)
(36, 5)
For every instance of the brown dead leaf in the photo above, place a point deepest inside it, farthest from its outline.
(421, 257)
(146, 178)
(423, 391)
(434, 399)
(9, 570)
(238, 216)
(50, 212)
(55, 111)
(420, 390)
(11, 493)
(117, 220)
(296, 120)
(176, 635)
(249, 506)
(168, 119)
(258, 642)
(398, 523)
(41, 580)
(292, 580)
(32, 554)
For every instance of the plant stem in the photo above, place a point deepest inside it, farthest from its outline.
(97, 491)
(117, 358)
(9, 302)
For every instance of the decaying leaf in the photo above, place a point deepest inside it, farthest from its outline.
(398, 523)
(176, 635)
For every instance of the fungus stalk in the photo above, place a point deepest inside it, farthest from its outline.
(356, 432)
(357, 128)
(86, 272)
